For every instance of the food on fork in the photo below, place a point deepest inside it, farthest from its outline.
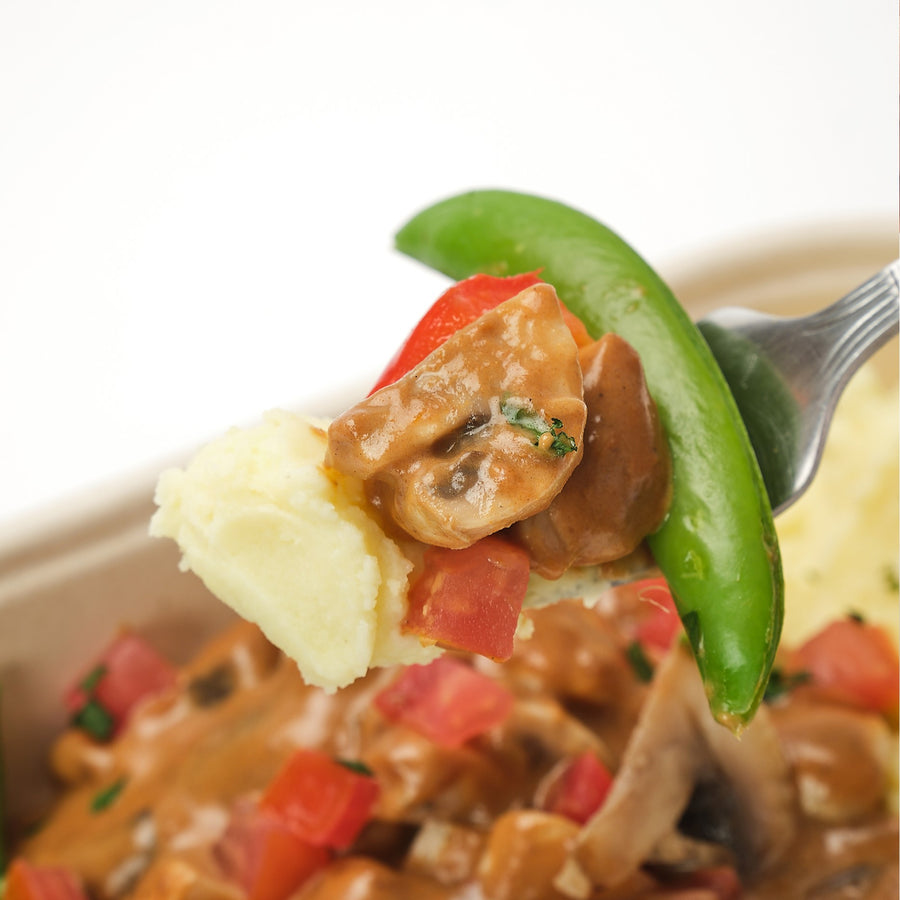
(414, 525)
(479, 423)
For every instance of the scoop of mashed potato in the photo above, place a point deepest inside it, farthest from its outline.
(839, 542)
(290, 545)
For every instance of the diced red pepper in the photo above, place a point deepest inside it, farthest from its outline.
(647, 614)
(721, 881)
(580, 789)
(264, 856)
(324, 802)
(659, 624)
(461, 304)
(470, 599)
(447, 701)
(850, 662)
(25, 881)
(127, 671)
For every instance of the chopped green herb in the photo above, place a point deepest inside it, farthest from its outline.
(856, 616)
(92, 679)
(104, 798)
(892, 579)
(557, 442)
(355, 765)
(782, 683)
(642, 666)
(95, 719)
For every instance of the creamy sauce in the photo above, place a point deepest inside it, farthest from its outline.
(449, 823)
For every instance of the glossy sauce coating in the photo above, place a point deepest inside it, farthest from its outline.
(464, 822)
(437, 449)
(621, 489)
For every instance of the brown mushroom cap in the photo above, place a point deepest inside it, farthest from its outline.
(621, 489)
(437, 449)
(676, 749)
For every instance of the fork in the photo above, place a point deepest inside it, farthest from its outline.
(787, 373)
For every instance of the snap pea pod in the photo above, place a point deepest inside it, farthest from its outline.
(717, 546)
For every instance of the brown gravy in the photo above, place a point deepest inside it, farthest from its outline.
(448, 820)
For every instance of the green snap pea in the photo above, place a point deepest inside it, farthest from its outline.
(717, 546)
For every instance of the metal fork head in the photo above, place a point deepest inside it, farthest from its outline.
(787, 373)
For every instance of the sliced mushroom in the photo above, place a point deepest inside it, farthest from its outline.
(841, 758)
(861, 881)
(445, 851)
(678, 754)
(621, 489)
(676, 852)
(459, 447)
(857, 861)
(420, 779)
(574, 655)
(525, 851)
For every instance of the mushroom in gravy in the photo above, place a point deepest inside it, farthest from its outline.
(441, 451)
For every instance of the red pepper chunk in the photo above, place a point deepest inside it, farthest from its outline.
(851, 662)
(266, 858)
(25, 881)
(460, 305)
(127, 671)
(659, 627)
(446, 701)
(470, 599)
(580, 789)
(721, 882)
(324, 802)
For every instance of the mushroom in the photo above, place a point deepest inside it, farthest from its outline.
(846, 862)
(620, 491)
(841, 758)
(525, 849)
(483, 432)
(681, 769)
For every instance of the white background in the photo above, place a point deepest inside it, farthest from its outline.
(197, 199)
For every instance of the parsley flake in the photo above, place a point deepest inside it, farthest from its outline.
(548, 436)
(355, 765)
(105, 797)
(642, 666)
(782, 683)
(95, 719)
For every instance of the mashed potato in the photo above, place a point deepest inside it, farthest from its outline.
(839, 542)
(291, 547)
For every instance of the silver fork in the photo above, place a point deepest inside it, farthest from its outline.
(787, 373)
